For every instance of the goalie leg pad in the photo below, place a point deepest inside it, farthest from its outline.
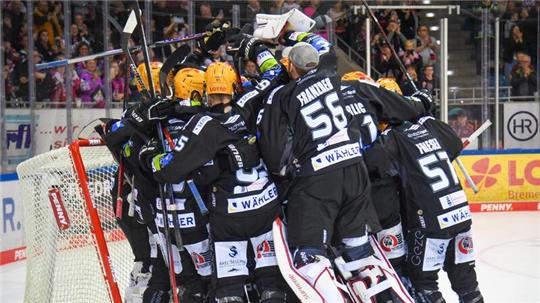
(318, 271)
(369, 273)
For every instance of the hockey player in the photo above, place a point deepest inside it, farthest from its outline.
(192, 265)
(116, 134)
(242, 204)
(384, 191)
(308, 137)
(436, 208)
(218, 151)
(121, 140)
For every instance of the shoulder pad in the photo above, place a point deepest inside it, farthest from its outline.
(272, 93)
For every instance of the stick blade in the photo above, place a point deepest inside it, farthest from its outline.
(176, 57)
(131, 23)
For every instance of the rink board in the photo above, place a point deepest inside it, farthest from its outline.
(508, 180)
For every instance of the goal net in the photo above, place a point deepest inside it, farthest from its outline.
(75, 250)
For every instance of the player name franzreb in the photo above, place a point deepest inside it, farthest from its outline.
(314, 91)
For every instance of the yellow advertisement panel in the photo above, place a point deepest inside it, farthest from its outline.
(506, 181)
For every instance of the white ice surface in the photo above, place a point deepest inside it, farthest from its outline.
(508, 260)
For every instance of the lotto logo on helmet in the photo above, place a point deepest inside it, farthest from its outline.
(465, 245)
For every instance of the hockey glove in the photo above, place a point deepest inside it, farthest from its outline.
(245, 45)
(114, 133)
(427, 100)
(217, 35)
(149, 150)
(159, 110)
(243, 154)
(137, 116)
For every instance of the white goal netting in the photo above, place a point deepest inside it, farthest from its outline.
(63, 259)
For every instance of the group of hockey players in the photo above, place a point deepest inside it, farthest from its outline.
(359, 174)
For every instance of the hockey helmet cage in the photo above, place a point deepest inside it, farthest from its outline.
(220, 78)
(189, 85)
(390, 84)
(357, 75)
(155, 67)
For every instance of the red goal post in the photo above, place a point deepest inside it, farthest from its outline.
(76, 251)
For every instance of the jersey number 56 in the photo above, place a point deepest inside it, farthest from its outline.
(318, 119)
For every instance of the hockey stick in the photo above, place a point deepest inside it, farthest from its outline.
(117, 51)
(394, 53)
(179, 55)
(172, 275)
(126, 33)
(129, 27)
(411, 81)
(466, 143)
(477, 133)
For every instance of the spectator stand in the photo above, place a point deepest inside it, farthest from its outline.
(26, 99)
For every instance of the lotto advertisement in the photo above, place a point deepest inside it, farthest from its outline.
(506, 182)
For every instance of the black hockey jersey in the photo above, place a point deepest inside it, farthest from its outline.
(120, 139)
(213, 155)
(422, 154)
(305, 129)
(386, 105)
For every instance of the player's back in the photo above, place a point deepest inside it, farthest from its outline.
(323, 136)
(434, 198)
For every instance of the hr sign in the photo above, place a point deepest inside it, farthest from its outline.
(522, 126)
(521, 129)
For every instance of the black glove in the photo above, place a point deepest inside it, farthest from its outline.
(243, 154)
(159, 110)
(217, 35)
(244, 45)
(426, 98)
(137, 116)
(148, 151)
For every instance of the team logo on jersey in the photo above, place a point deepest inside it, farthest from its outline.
(389, 242)
(441, 248)
(483, 177)
(465, 245)
(265, 249)
(201, 260)
(233, 251)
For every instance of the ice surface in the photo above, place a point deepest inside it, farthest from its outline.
(507, 247)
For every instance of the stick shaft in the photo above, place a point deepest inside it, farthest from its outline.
(467, 176)
(477, 133)
(113, 52)
(394, 53)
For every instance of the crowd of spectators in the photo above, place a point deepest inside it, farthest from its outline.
(518, 32)
(408, 35)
